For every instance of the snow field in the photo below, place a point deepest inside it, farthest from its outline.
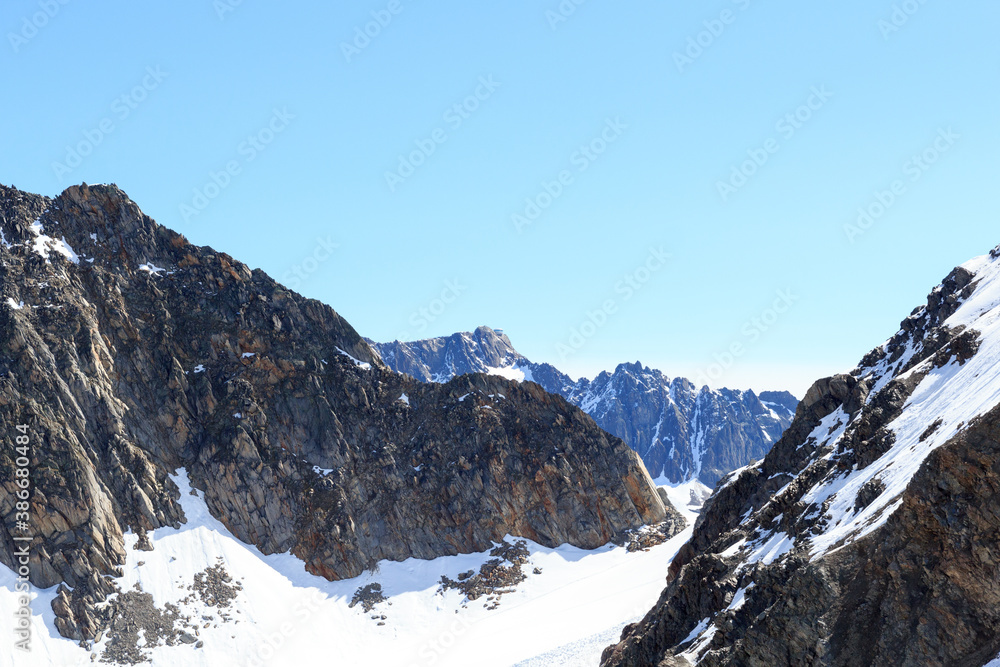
(566, 615)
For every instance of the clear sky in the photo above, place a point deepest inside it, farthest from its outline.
(617, 132)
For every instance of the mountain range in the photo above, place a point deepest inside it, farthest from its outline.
(128, 354)
(868, 534)
(203, 467)
(680, 431)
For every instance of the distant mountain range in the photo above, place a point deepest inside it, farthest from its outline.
(680, 431)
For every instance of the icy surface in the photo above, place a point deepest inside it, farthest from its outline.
(704, 633)
(698, 629)
(768, 550)
(514, 372)
(45, 245)
(582, 599)
(687, 497)
(357, 362)
(739, 598)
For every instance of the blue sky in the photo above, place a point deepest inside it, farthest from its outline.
(739, 138)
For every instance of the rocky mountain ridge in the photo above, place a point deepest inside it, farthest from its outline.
(868, 535)
(130, 353)
(680, 431)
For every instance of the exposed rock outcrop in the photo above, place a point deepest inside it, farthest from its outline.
(680, 431)
(130, 353)
(868, 535)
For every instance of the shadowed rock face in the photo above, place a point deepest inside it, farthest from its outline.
(680, 431)
(868, 536)
(145, 354)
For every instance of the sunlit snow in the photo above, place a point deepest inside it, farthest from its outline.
(582, 599)
(44, 245)
(357, 362)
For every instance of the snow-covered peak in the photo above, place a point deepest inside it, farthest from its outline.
(949, 363)
(850, 458)
(865, 531)
(484, 350)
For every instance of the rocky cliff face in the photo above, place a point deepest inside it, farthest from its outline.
(130, 353)
(868, 535)
(680, 432)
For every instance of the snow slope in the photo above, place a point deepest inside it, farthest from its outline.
(950, 396)
(687, 497)
(954, 384)
(284, 616)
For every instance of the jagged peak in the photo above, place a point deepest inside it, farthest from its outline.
(895, 453)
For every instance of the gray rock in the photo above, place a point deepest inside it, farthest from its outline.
(659, 417)
(125, 373)
(922, 589)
